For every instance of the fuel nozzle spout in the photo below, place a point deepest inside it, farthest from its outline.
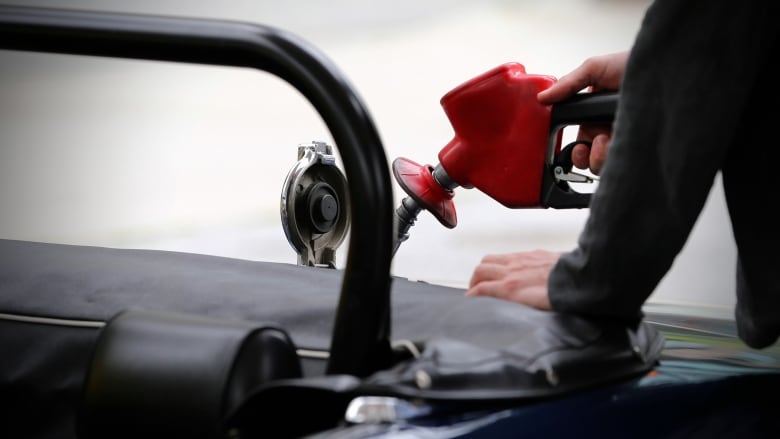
(427, 188)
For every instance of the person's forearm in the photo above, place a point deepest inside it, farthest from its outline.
(670, 137)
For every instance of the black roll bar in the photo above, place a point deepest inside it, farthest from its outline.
(360, 341)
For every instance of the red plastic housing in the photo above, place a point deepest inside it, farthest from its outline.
(501, 135)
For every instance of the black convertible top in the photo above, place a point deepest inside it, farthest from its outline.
(56, 299)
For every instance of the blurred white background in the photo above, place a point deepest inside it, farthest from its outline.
(125, 153)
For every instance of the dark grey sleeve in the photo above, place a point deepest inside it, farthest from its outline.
(688, 83)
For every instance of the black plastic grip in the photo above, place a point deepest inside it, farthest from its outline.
(585, 108)
(597, 108)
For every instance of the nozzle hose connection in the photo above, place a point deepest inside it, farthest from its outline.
(444, 180)
(406, 215)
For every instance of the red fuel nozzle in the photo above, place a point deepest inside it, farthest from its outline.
(505, 144)
(501, 134)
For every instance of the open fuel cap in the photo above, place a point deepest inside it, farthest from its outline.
(315, 205)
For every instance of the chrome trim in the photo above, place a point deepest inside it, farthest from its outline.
(53, 321)
(311, 353)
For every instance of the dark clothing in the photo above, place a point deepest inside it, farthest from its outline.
(699, 96)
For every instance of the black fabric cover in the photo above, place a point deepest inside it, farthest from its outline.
(474, 348)
(162, 374)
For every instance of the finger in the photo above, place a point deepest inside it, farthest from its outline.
(598, 153)
(535, 295)
(485, 288)
(530, 258)
(580, 156)
(587, 132)
(487, 272)
(502, 258)
(595, 73)
(568, 85)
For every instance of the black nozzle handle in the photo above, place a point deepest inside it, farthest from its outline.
(596, 108)
(585, 109)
